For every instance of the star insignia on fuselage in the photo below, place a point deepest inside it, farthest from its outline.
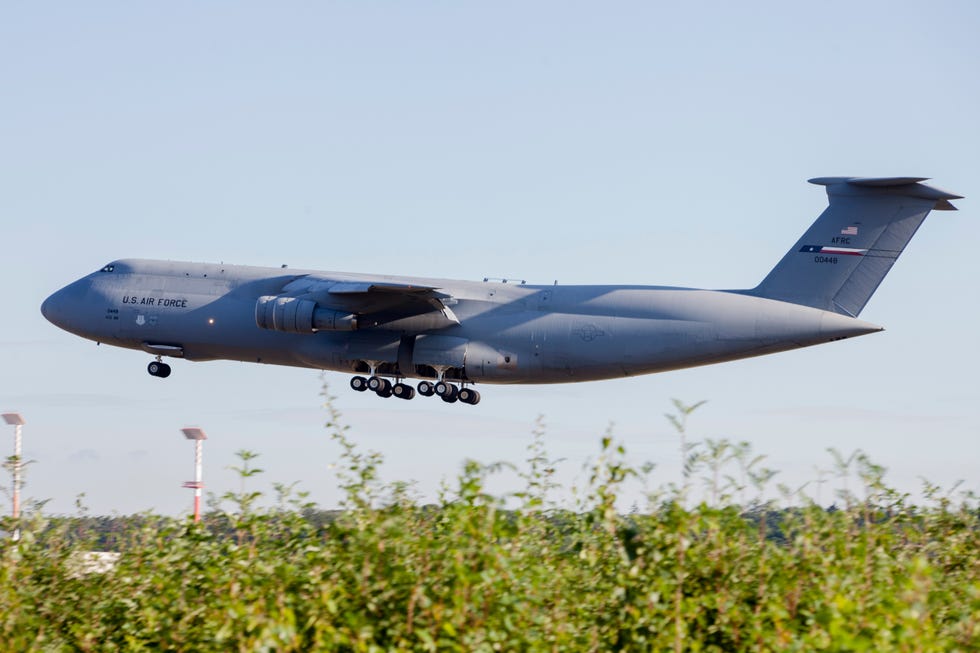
(589, 332)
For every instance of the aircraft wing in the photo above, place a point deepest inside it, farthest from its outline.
(375, 302)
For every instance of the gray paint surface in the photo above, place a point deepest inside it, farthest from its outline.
(489, 332)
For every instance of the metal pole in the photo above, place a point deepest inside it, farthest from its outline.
(198, 436)
(198, 482)
(17, 466)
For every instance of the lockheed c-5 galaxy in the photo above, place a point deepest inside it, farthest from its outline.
(455, 334)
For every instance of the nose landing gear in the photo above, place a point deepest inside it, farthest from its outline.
(158, 368)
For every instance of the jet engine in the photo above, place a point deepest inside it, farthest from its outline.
(295, 315)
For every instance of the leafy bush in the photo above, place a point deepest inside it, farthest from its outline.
(478, 572)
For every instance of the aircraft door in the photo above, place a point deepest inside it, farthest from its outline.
(406, 351)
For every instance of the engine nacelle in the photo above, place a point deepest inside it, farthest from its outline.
(294, 315)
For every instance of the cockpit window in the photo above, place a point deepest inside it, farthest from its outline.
(108, 268)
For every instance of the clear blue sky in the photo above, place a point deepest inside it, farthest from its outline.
(585, 142)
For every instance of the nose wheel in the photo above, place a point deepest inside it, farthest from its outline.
(158, 369)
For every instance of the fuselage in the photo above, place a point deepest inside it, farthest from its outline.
(500, 332)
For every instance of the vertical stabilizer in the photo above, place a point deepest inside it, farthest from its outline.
(840, 261)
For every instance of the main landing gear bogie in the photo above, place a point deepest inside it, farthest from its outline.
(382, 387)
(446, 391)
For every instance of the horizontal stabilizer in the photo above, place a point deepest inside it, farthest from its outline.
(903, 186)
(868, 181)
(842, 258)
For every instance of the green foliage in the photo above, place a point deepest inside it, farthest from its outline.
(468, 574)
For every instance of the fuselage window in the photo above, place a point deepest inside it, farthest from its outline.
(108, 268)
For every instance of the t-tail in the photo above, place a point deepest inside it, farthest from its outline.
(840, 261)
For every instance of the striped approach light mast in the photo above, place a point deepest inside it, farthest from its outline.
(197, 435)
(17, 465)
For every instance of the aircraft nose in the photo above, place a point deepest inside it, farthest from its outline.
(53, 309)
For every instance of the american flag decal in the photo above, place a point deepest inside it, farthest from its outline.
(849, 231)
(840, 251)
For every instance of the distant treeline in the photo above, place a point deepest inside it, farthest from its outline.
(105, 533)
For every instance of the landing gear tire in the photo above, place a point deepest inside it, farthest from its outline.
(403, 391)
(376, 382)
(447, 391)
(468, 396)
(426, 389)
(158, 369)
(385, 391)
(359, 383)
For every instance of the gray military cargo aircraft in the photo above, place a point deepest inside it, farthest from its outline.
(456, 334)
